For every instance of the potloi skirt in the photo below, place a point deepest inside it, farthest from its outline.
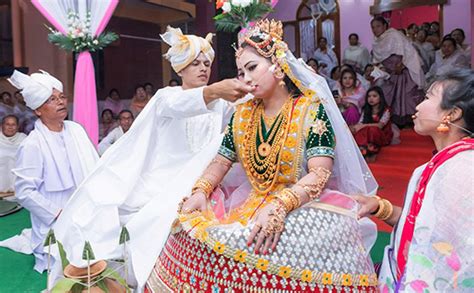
(321, 250)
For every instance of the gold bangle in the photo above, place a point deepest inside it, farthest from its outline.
(385, 209)
(204, 185)
(289, 198)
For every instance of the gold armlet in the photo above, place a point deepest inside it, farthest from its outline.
(289, 199)
(385, 210)
(322, 177)
(204, 185)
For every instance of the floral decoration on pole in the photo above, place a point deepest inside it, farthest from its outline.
(79, 36)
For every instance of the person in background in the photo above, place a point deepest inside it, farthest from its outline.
(149, 89)
(451, 57)
(403, 89)
(431, 245)
(114, 103)
(313, 63)
(173, 82)
(425, 49)
(139, 100)
(434, 28)
(351, 96)
(10, 140)
(367, 71)
(374, 129)
(412, 30)
(107, 123)
(326, 57)
(356, 55)
(25, 115)
(52, 161)
(125, 122)
(434, 38)
(459, 36)
(7, 104)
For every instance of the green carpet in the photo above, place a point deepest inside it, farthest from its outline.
(16, 269)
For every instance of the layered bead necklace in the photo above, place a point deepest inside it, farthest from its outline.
(261, 155)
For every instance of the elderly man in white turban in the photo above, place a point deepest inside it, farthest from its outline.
(10, 140)
(172, 139)
(52, 161)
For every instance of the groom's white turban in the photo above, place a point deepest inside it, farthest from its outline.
(36, 88)
(185, 48)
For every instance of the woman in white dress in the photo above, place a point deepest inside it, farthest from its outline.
(450, 57)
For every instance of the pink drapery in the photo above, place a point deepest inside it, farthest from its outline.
(85, 94)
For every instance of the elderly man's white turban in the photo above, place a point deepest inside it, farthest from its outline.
(36, 88)
(185, 48)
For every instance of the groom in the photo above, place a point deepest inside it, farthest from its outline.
(137, 181)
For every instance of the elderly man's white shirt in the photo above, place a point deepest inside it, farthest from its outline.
(49, 167)
(8, 148)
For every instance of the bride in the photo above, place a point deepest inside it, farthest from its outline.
(273, 210)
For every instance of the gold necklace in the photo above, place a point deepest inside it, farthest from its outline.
(262, 172)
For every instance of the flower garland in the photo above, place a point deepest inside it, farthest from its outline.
(240, 13)
(79, 37)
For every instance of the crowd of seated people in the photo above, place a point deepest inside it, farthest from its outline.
(378, 92)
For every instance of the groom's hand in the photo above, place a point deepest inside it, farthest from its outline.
(228, 89)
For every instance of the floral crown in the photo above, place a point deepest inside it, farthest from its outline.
(271, 34)
(272, 46)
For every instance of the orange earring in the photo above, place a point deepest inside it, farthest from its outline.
(444, 125)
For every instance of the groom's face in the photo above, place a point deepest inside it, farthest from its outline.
(197, 73)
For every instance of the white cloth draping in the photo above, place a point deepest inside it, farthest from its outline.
(8, 149)
(440, 256)
(49, 166)
(140, 180)
(394, 42)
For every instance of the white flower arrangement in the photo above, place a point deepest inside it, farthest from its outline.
(79, 36)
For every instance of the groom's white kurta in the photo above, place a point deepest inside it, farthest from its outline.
(49, 167)
(141, 179)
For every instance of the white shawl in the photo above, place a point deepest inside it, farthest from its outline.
(394, 42)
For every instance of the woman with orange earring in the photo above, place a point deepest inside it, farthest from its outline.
(431, 245)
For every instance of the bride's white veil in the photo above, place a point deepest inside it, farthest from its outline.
(351, 174)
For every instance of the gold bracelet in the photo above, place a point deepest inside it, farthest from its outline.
(204, 185)
(314, 190)
(385, 209)
(289, 198)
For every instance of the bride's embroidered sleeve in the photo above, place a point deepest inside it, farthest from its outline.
(320, 139)
(227, 148)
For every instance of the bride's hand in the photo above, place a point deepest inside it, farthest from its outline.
(197, 202)
(268, 227)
